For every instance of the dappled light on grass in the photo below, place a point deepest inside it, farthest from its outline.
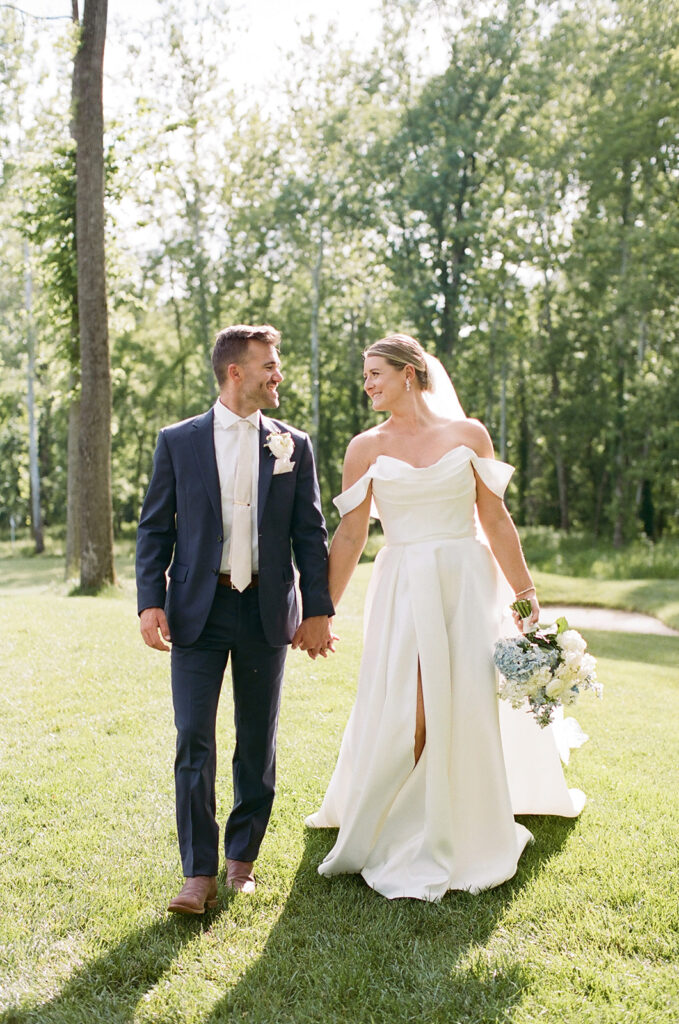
(585, 932)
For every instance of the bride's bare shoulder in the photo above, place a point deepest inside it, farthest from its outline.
(475, 436)
(361, 452)
(364, 445)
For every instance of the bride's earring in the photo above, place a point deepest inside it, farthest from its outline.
(407, 383)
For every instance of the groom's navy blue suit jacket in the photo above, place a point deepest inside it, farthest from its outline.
(180, 531)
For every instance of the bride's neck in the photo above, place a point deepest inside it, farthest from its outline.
(412, 415)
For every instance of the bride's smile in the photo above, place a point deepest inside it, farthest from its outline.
(427, 779)
(383, 384)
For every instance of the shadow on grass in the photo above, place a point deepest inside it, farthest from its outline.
(639, 647)
(342, 953)
(110, 987)
(338, 953)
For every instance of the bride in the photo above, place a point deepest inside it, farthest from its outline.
(431, 771)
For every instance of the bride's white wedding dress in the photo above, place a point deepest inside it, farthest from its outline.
(436, 595)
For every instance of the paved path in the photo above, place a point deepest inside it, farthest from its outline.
(581, 617)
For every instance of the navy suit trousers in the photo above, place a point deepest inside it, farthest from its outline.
(233, 628)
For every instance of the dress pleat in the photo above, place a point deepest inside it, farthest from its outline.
(435, 596)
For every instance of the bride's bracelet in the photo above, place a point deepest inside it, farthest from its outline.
(526, 590)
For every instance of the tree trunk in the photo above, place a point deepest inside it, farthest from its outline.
(523, 446)
(621, 335)
(195, 215)
(559, 463)
(33, 464)
(72, 554)
(503, 411)
(315, 352)
(619, 495)
(72, 565)
(500, 332)
(96, 526)
(490, 384)
(179, 328)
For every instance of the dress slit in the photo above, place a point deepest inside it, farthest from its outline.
(420, 792)
(420, 717)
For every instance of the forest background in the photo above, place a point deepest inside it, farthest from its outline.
(516, 211)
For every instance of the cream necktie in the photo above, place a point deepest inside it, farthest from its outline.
(241, 530)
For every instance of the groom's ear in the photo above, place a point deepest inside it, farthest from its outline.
(234, 372)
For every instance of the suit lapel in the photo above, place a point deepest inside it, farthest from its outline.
(266, 464)
(203, 440)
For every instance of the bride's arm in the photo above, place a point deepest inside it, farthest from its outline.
(502, 534)
(352, 532)
(504, 541)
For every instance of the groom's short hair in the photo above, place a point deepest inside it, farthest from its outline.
(231, 345)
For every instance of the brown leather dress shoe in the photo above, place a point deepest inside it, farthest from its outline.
(197, 893)
(239, 876)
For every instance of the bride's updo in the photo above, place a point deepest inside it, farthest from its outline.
(400, 350)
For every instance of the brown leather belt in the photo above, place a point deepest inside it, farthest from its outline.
(224, 579)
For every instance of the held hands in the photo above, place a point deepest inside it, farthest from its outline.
(315, 636)
(153, 626)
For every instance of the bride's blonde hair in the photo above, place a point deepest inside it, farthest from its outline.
(400, 350)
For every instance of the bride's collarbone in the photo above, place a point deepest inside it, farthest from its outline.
(416, 460)
(419, 453)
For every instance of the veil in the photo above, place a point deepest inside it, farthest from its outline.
(515, 727)
(442, 397)
(443, 401)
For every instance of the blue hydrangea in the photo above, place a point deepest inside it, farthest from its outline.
(517, 659)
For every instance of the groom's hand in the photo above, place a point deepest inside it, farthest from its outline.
(153, 625)
(315, 636)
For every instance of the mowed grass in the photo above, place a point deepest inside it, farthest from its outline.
(652, 597)
(22, 571)
(587, 931)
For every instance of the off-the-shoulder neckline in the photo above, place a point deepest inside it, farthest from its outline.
(431, 465)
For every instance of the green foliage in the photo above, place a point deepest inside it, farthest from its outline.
(580, 554)
(447, 144)
(516, 211)
(49, 223)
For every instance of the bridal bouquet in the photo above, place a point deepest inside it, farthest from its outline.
(547, 667)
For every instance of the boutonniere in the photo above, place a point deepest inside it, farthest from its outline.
(281, 447)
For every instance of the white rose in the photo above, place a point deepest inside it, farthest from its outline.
(280, 445)
(588, 666)
(571, 641)
(555, 687)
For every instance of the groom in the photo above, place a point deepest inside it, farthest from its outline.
(231, 493)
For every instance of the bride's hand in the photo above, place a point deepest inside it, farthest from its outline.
(528, 623)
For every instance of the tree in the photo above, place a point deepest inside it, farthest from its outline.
(625, 253)
(448, 142)
(96, 538)
(16, 168)
(34, 469)
(51, 228)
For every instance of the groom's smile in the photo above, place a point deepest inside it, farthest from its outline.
(261, 372)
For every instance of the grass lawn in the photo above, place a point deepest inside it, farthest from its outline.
(587, 931)
(654, 597)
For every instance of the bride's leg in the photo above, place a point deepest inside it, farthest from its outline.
(420, 723)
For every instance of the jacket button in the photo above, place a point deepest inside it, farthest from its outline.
(220, 539)
(215, 572)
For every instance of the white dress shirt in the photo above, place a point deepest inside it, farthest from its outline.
(226, 451)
